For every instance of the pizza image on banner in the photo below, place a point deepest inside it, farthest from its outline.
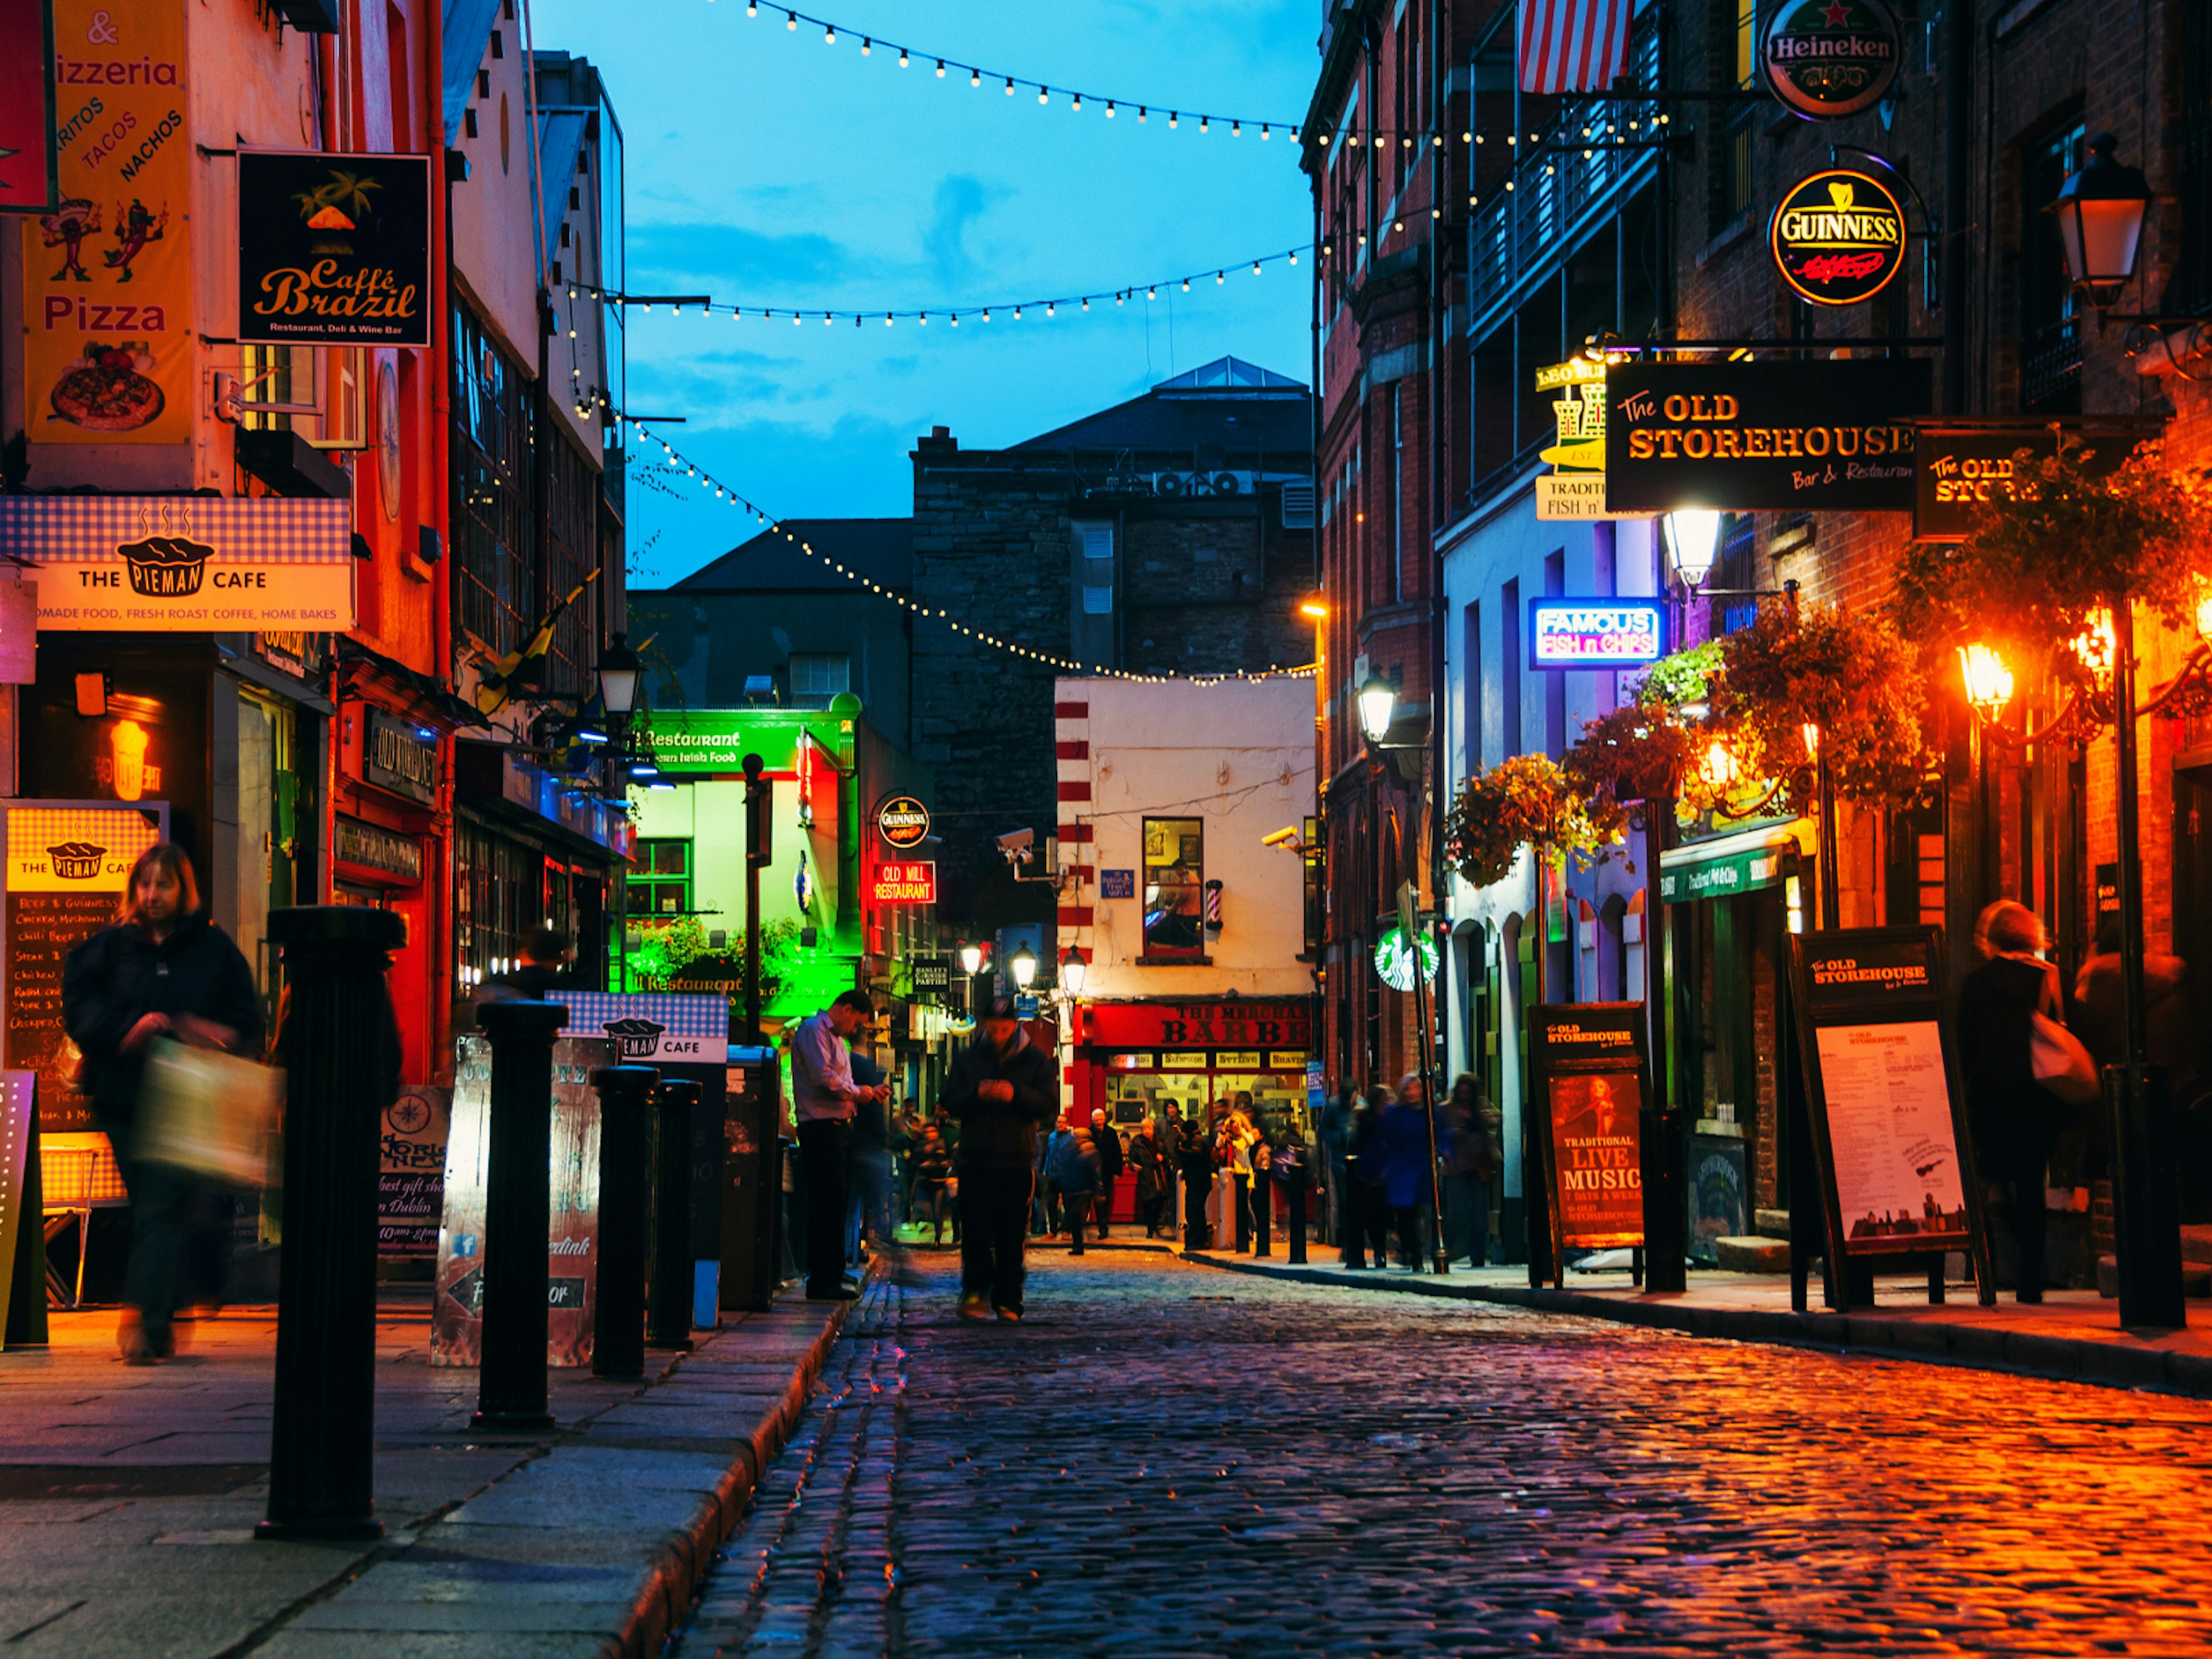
(107, 389)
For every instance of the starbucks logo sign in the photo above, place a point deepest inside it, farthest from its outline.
(1826, 59)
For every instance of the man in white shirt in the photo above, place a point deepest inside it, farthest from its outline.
(824, 1093)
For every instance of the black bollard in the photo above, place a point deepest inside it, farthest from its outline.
(669, 1309)
(1263, 1212)
(341, 1055)
(625, 1130)
(518, 1215)
(1297, 1196)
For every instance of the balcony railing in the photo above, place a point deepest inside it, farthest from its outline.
(1521, 232)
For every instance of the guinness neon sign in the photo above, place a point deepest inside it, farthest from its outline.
(1839, 237)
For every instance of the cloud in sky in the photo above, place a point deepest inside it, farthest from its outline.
(768, 167)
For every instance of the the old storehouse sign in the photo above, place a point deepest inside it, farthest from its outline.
(1826, 59)
(1837, 237)
(333, 250)
(1740, 437)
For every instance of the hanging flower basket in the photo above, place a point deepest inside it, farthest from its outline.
(1528, 800)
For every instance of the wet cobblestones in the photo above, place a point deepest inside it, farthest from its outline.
(1164, 1461)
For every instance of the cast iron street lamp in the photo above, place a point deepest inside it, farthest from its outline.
(971, 959)
(1692, 535)
(618, 671)
(2146, 1214)
(2100, 214)
(1024, 966)
(1378, 705)
(1378, 710)
(1072, 968)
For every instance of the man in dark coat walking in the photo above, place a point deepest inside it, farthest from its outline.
(1109, 1142)
(1000, 1087)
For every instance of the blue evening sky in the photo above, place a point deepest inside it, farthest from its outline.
(766, 168)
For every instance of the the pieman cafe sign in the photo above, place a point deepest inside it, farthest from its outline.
(1837, 237)
(1829, 58)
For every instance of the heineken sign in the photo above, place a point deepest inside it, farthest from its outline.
(1828, 58)
(1837, 237)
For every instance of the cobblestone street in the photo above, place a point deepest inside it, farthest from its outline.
(1165, 1460)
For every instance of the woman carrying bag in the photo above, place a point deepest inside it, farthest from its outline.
(2022, 1068)
(163, 975)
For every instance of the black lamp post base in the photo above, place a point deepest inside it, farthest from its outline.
(511, 1422)
(329, 1530)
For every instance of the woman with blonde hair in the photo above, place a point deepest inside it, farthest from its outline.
(2013, 1118)
(163, 971)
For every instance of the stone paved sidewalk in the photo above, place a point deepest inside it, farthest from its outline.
(128, 1498)
(2073, 1335)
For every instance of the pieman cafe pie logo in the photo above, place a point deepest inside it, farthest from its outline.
(1839, 237)
(166, 563)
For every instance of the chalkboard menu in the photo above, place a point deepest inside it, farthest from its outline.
(42, 929)
(67, 865)
(1889, 1131)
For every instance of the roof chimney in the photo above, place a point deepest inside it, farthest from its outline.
(940, 438)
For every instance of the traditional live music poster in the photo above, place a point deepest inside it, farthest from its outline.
(573, 1236)
(1889, 1128)
(1589, 1082)
(67, 862)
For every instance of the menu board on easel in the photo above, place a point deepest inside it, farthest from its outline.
(1589, 1080)
(1882, 1081)
(68, 863)
(19, 1191)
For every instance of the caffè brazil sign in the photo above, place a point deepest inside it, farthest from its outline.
(1828, 58)
(1837, 237)
(1742, 437)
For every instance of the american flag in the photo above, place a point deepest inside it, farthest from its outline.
(1573, 46)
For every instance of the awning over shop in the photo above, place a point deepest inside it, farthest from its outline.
(1728, 864)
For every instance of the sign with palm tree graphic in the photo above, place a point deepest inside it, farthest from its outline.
(333, 250)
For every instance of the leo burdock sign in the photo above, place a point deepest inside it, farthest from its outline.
(1742, 437)
(1888, 1113)
(1829, 58)
(1588, 1081)
(333, 250)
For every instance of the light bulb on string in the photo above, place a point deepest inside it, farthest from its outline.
(1044, 94)
(902, 58)
(1186, 284)
(974, 78)
(791, 20)
(1205, 124)
(1173, 119)
(829, 36)
(1142, 113)
(1010, 86)
(1110, 109)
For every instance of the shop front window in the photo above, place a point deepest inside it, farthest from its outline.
(1175, 879)
(661, 884)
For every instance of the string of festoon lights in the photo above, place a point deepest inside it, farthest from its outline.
(679, 464)
(980, 78)
(1076, 304)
